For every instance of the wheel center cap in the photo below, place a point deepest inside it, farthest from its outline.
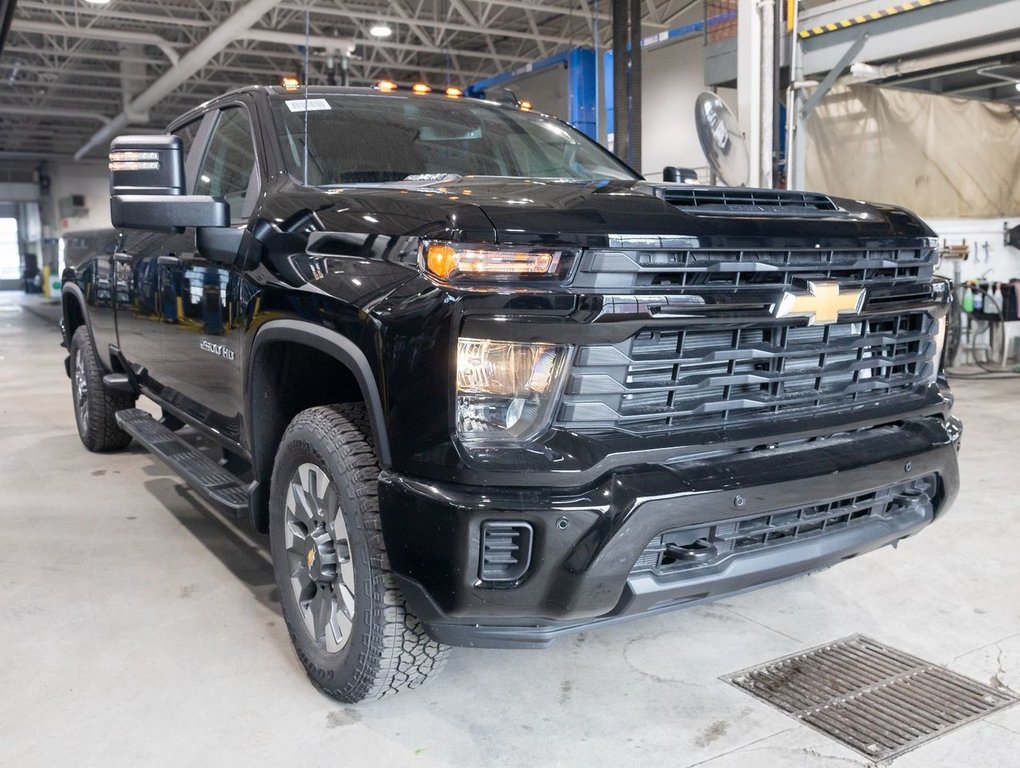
(320, 557)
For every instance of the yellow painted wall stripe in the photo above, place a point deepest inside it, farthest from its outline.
(892, 10)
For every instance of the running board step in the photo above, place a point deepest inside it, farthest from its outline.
(119, 382)
(203, 474)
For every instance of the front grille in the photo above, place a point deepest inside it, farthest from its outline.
(674, 380)
(654, 268)
(701, 547)
(736, 200)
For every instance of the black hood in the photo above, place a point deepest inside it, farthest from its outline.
(584, 213)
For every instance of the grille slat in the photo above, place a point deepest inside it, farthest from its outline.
(761, 269)
(645, 386)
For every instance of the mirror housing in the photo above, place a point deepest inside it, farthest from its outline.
(146, 165)
(675, 175)
(147, 188)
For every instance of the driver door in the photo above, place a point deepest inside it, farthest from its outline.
(202, 341)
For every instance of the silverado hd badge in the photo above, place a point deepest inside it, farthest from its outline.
(217, 349)
(821, 304)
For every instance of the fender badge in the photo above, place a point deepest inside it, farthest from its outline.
(821, 304)
(217, 349)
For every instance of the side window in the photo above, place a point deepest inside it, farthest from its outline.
(229, 163)
(187, 134)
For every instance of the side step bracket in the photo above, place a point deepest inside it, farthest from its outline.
(208, 478)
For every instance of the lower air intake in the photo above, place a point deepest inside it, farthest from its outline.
(505, 551)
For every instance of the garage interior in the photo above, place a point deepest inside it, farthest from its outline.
(141, 625)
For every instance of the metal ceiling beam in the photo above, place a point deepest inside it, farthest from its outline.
(97, 33)
(236, 24)
(423, 21)
(112, 12)
(56, 112)
(298, 40)
(6, 16)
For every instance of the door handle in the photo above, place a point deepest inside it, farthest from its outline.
(122, 258)
(168, 261)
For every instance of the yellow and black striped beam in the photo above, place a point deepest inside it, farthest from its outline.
(875, 15)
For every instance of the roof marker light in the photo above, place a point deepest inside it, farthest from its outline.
(386, 86)
(421, 88)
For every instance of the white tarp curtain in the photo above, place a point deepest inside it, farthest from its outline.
(939, 156)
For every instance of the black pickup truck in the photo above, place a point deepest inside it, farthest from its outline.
(483, 385)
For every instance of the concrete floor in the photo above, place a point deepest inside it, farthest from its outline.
(138, 628)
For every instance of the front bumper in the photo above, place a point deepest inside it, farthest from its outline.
(585, 544)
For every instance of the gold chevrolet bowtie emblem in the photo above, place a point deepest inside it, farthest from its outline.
(311, 557)
(821, 304)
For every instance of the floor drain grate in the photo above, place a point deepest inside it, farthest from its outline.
(873, 698)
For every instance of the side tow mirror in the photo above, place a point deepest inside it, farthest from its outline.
(147, 188)
(674, 175)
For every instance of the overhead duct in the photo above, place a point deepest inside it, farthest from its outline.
(230, 30)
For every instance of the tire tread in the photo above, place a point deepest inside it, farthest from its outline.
(400, 655)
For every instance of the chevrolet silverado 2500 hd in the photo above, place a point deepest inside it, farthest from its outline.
(483, 385)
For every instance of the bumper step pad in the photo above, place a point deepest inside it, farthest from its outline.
(208, 478)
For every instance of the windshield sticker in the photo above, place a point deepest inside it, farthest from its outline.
(307, 105)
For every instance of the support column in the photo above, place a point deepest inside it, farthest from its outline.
(582, 88)
(749, 83)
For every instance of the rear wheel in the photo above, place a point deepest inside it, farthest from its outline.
(346, 617)
(94, 406)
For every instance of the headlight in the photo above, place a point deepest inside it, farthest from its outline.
(458, 261)
(506, 390)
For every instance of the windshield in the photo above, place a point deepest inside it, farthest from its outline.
(372, 139)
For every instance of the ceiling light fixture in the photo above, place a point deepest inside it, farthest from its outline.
(380, 30)
(98, 2)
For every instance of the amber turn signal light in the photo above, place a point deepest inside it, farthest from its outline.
(420, 88)
(386, 86)
(446, 261)
(441, 260)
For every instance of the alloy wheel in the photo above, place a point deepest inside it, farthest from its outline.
(81, 391)
(319, 558)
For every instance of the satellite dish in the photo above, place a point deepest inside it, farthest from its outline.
(721, 140)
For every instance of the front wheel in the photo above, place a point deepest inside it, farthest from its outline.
(346, 617)
(95, 407)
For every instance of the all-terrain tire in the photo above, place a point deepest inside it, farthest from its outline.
(381, 647)
(95, 407)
